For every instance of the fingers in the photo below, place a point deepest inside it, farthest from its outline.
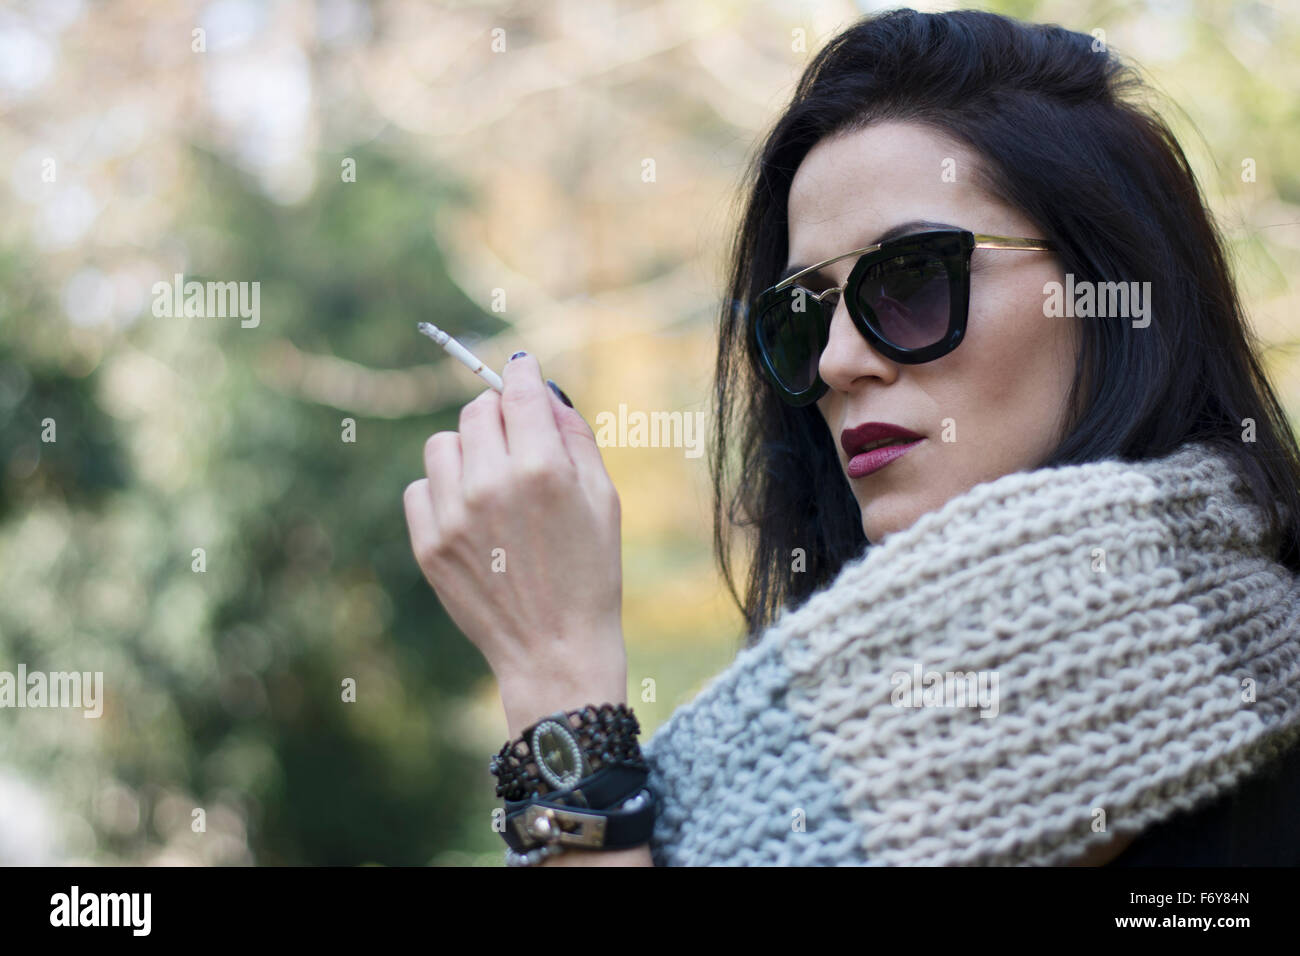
(442, 467)
(420, 521)
(567, 436)
(580, 444)
(525, 429)
(482, 443)
(532, 437)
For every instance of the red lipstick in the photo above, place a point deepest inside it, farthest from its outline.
(863, 460)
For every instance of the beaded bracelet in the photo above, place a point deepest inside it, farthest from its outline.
(533, 857)
(597, 737)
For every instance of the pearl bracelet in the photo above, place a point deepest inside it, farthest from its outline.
(534, 856)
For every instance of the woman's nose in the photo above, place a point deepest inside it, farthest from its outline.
(848, 356)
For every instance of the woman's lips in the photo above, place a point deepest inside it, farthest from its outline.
(863, 459)
(869, 461)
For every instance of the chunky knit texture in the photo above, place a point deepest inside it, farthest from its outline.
(1146, 652)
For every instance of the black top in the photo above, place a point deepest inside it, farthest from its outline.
(1254, 824)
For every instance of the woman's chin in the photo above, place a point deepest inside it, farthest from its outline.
(880, 521)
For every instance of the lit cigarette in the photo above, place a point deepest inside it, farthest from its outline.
(461, 354)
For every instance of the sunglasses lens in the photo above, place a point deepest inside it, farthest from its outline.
(907, 299)
(792, 335)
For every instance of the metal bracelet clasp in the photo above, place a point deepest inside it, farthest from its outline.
(566, 827)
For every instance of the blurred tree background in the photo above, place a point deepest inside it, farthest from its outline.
(500, 153)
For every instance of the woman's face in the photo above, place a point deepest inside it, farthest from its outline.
(994, 405)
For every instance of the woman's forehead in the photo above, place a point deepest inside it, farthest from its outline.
(854, 187)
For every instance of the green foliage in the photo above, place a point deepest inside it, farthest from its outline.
(225, 686)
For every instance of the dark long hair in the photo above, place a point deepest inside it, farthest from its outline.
(1064, 137)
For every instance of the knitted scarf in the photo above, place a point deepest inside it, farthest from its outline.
(1047, 661)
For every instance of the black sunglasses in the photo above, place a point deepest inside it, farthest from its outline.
(907, 296)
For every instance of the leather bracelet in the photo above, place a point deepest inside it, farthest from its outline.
(574, 817)
(544, 851)
(542, 823)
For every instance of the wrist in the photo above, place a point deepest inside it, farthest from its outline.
(528, 697)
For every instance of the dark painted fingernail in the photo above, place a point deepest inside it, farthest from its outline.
(559, 394)
(515, 356)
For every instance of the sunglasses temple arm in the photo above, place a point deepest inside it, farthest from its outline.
(1007, 242)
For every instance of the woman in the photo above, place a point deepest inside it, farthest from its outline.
(1026, 520)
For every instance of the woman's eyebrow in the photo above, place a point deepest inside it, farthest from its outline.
(893, 232)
